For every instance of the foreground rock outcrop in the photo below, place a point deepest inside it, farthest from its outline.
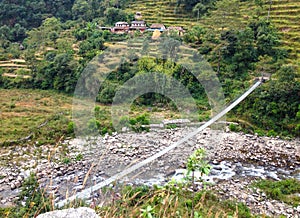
(81, 212)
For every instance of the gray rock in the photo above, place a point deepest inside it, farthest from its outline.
(81, 212)
(17, 184)
(19, 178)
(12, 186)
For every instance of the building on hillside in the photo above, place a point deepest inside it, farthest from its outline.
(120, 27)
(157, 26)
(177, 29)
(138, 25)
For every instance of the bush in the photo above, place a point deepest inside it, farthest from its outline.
(70, 128)
(271, 133)
(233, 127)
(36, 202)
(285, 190)
(79, 157)
(171, 126)
(139, 123)
(93, 125)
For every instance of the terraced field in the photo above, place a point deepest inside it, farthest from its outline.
(159, 11)
(285, 14)
(15, 68)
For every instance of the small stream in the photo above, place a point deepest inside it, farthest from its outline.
(225, 171)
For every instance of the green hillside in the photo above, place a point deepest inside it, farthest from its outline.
(284, 14)
(166, 12)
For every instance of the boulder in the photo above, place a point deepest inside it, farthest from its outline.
(81, 212)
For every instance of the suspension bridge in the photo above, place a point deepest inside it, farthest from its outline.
(86, 193)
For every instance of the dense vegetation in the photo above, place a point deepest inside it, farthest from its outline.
(56, 41)
(285, 190)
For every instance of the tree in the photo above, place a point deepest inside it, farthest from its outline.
(196, 162)
(265, 65)
(245, 53)
(202, 7)
(169, 48)
(18, 33)
(81, 9)
(195, 35)
(267, 39)
(113, 15)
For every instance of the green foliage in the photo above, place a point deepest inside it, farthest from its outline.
(79, 157)
(171, 126)
(71, 127)
(275, 105)
(170, 201)
(59, 38)
(22, 15)
(147, 212)
(139, 123)
(235, 55)
(93, 125)
(66, 160)
(113, 15)
(197, 162)
(199, 7)
(36, 201)
(59, 74)
(91, 46)
(233, 127)
(284, 190)
(243, 210)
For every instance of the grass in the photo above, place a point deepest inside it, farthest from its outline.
(170, 201)
(141, 201)
(285, 190)
(42, 114)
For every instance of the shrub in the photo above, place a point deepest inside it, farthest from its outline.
(36, 202)
(232, 127)
(70, 128)
(66, 160)
(271, 133)
(171, 126)
(93, 125)
(138, 124)
(284, 190)
(79, 157)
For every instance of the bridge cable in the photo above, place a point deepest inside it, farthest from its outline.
(84, 194)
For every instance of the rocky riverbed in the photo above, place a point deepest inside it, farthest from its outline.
(237, 159)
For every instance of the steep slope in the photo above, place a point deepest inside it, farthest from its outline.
(285, 14)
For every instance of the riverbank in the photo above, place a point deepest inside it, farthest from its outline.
(237, 159)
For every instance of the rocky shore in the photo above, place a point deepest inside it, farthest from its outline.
(74, 164)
